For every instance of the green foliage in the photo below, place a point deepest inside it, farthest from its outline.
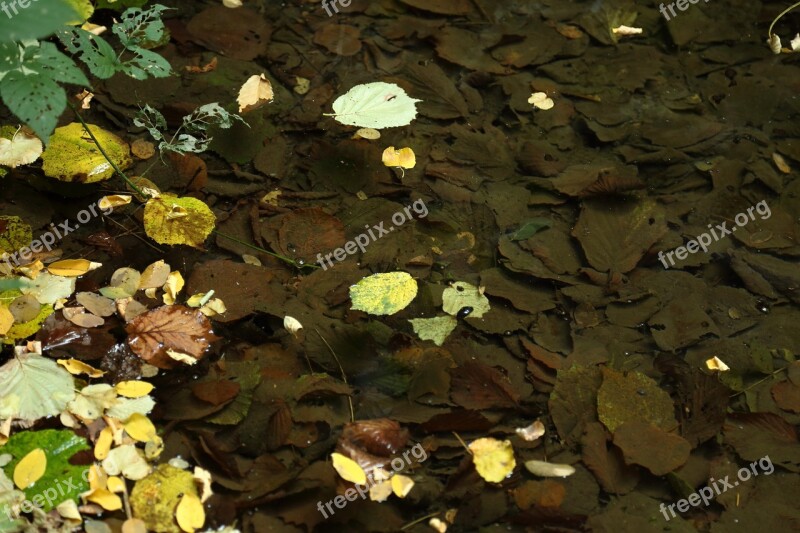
(192, 136)
(120, 4)
(33, 72)
(137, 30)
(39, 19)
(58, 445)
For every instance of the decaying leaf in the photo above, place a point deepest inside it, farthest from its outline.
(494, 459)
(256, 92)
(175, 328)
(169, 219)
(383, 294)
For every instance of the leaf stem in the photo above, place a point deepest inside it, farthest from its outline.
(769, 31)
(102, 151)
(262, 250)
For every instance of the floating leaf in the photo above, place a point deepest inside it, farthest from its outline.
(545, 469)
(155, 498)
(403, 158)
(14, 234)
(348, 469)
(383, 294)
(494, 459)
(541, 101)
(375, 105)
(72, 155)
(460, 295)
(256, 92)
(190, 514)
(126, 460)
(434, 329)
(33, 387)
(75, 367)
(23, 147)
(172, 327)
(72, 268)
(30, 469)
(133, 389)
(60, 480)
(169, 219)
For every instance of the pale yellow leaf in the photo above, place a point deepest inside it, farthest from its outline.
(256, 92)
(30, 468)
(133, 389)
(190, 513)
(76, 367)
(348, 469)
(72, 268)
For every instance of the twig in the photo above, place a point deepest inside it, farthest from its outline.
(344, 376)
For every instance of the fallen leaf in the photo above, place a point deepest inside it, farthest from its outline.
(494, 459)
(348, 469)
(383, 294)
(256, 92)
(190, 514)
(171, 327)
(30, 468)
(541, 101)
(375, 105)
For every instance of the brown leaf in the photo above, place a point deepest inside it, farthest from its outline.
(216, 392)
(477, 386)
(655, 449)
(170, 327)
(381, 436)
(607, 465)
(304, 233)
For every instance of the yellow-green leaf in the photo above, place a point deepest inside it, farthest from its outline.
(169, 219)
(383, 294)
(72, 155)
(14, 234)
(460, 295)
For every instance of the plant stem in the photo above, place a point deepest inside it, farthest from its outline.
(769, 31)
(102, 151)
(254, 247)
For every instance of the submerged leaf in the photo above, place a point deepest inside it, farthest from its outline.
(172, 220)
(73, 156)
(170, 327)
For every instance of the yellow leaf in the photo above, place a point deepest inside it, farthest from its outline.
(76, 367)
(134, 525)
(401, 485)
(379, 492)
(116, 484)
(494, 459)
(140, 428)
(541, 101)
(403, 158)
(191, 229)
(72, 268)
(30, 468)
(348, 469)
(133, 389)
(6, 320)
(97, 477)
(256, 92)
(172, 287)
(103, 444)
(383, 294)
(105, 499)
(113, 200)
(190, 513)
(71, 155)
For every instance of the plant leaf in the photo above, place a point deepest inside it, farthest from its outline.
(72, 156)
(33, 387)
(383, 294)
(375, 105)
(172, 220)
(170, 327)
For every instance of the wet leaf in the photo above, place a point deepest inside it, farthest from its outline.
(22, 148)
(14, 234)
(33, 387)
(434, 329)
(651, 447)
(375, 105)
(72, 268)
(348, 469)
(72, 156)
(76, 367)
(30, 469)
(169, 219)
(403, 158)
(633, 397)
(545, 469)
(461, 295)
(175, 328)
(494, 459)
(190, 514)
(383, 294)
(256, 92)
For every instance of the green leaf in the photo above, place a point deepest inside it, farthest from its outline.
(73, 156)
(14, 234)
(40, 19)
(61, 480)
(141, 28)
(48, 61)
(530, 228)
(146, 63)
(95, 51)
(375, 105)
(35, 99)
(152, 120)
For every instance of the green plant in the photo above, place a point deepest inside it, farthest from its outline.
(32, 72)
(192, 135)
